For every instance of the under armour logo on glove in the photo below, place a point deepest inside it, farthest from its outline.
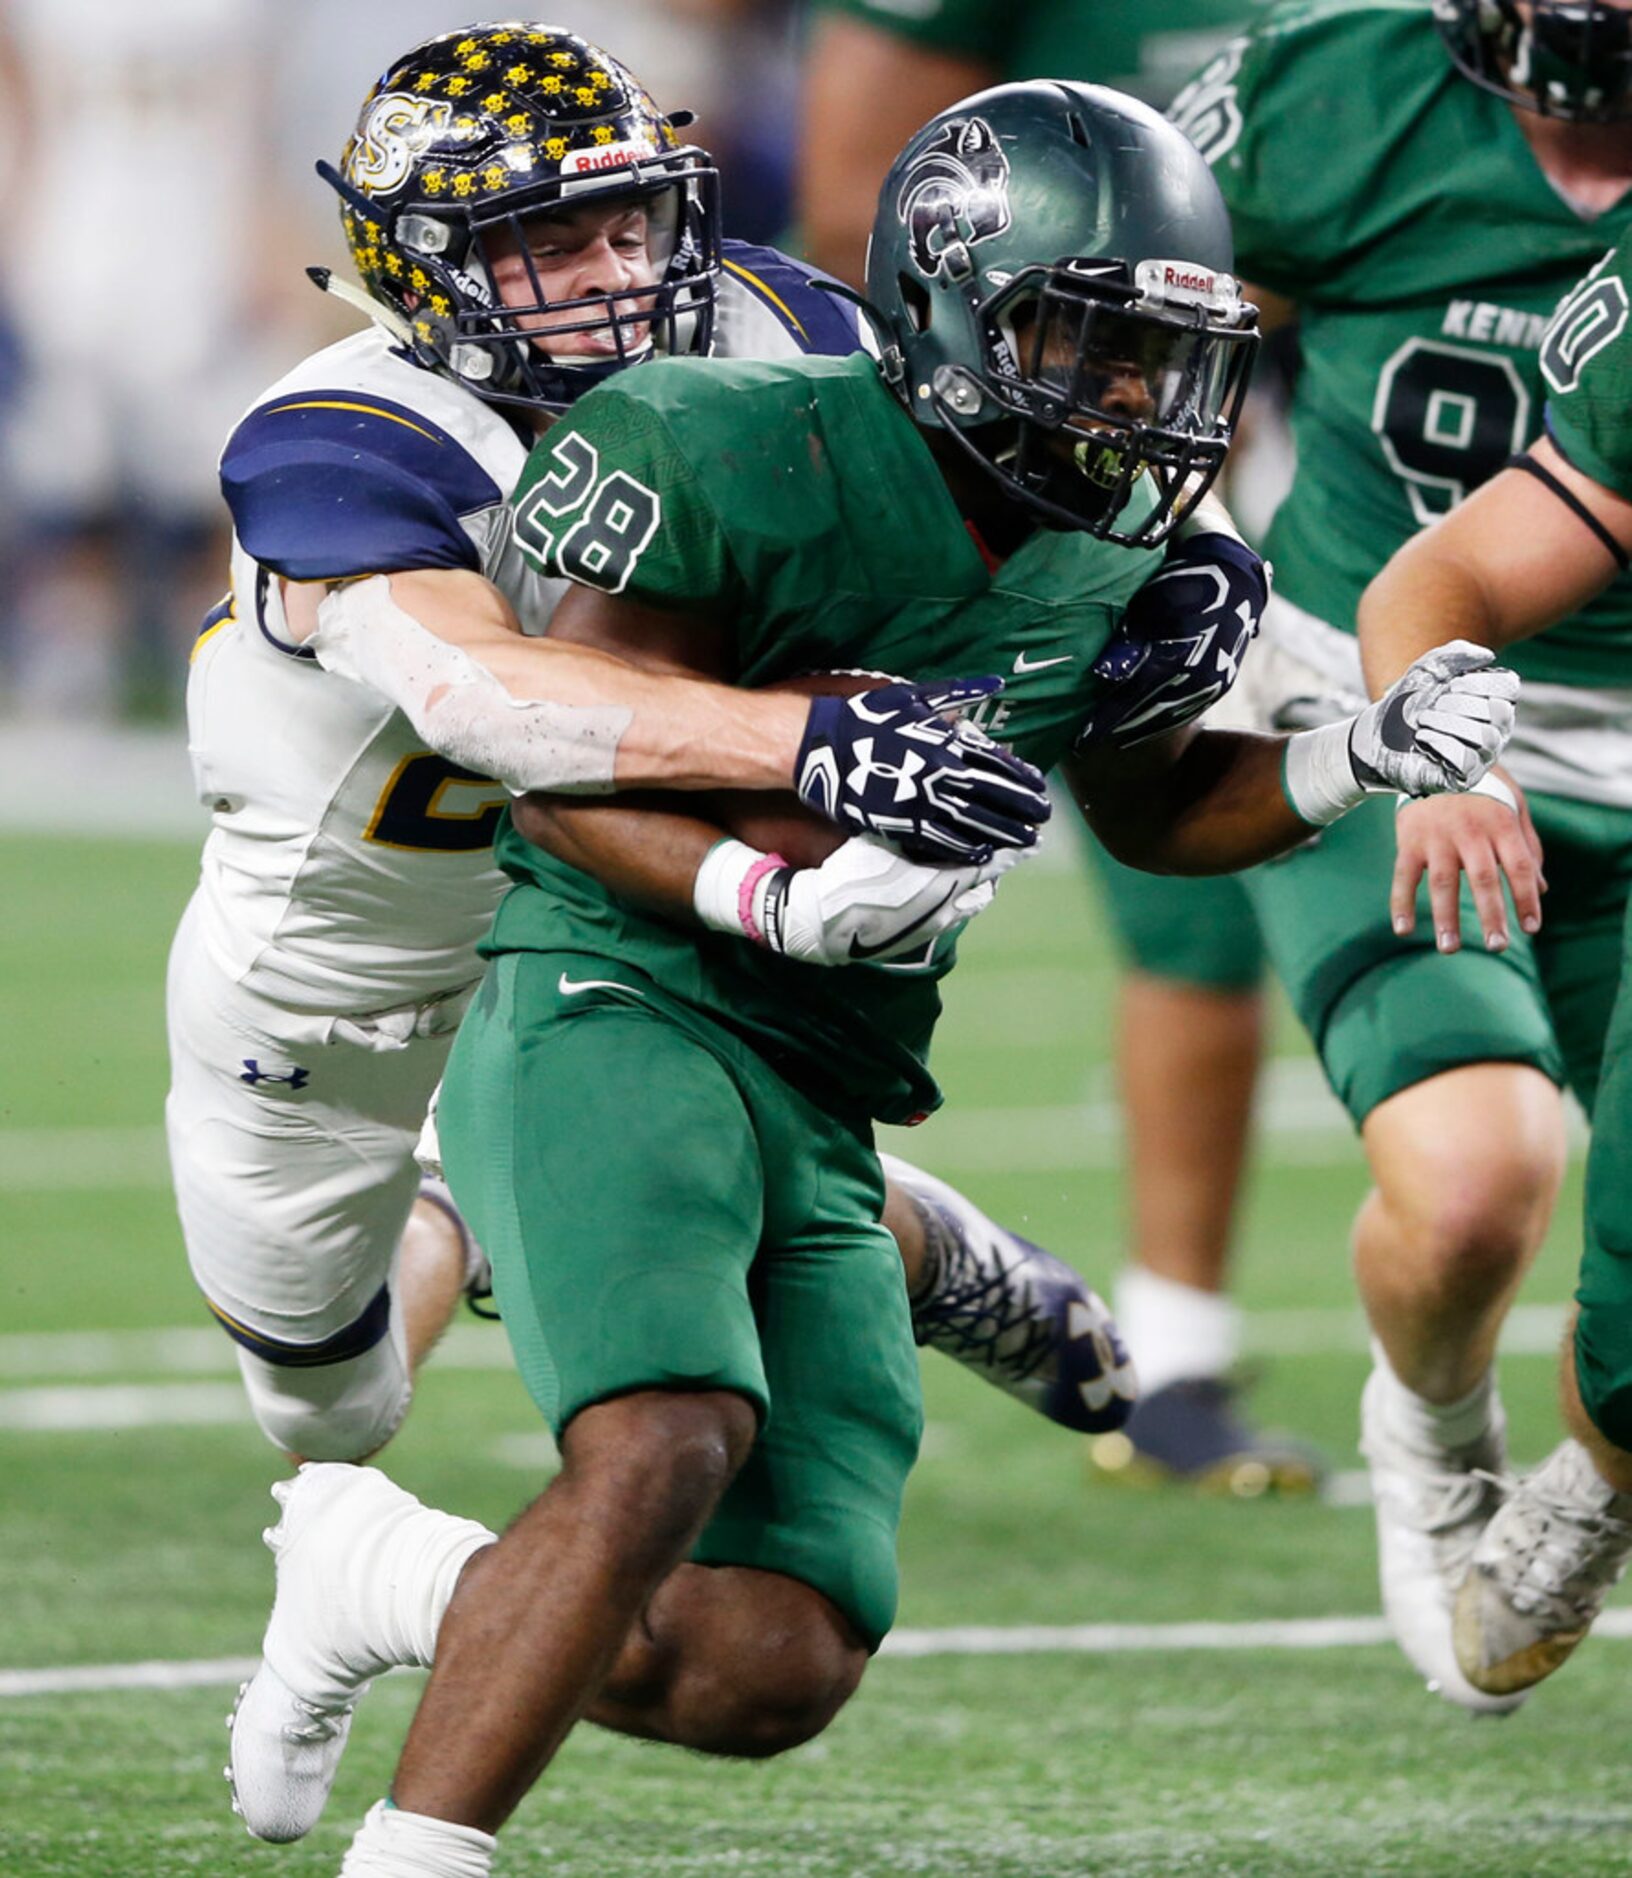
(1181, 642)
(890, 763)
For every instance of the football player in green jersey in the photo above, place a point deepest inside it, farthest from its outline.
(1424, 213)
(659, 1122)
(1533, 546)
(875, 70)
(1190, 1015)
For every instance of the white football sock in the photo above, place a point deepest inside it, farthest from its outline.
(1430, 1426)
(393, 1844)
(1174, 1332)
(412, 1562)
(398, 1565)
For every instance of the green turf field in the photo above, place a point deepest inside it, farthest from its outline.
(133, 1490)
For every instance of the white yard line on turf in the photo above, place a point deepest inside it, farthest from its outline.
(66, 1356)
(967, 1142)
(1298, 1633)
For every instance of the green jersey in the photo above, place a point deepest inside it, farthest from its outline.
(1148, 47)
(1401, 208)
(1586, 360)
(797, 506)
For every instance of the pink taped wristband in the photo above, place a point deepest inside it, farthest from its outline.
(747, 893)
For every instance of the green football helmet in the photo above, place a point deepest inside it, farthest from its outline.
(1050, 272)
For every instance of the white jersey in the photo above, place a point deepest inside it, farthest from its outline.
(348, 869)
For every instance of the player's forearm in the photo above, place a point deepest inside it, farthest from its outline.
(686, 734)
(643, 851)
(1428, 594)
(1219, 807)
(682, 732)
(679, 733)
(445, 647)
(1510, 561)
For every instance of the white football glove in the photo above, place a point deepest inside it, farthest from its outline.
(1440, 726)
(865, 903)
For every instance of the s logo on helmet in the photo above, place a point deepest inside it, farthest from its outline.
(397, 127)
(955, 190)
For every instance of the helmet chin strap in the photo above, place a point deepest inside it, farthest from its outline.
(381, 314)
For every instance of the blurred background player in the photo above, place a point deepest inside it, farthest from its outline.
(1390, 173)
(118, 530)
(1191, 1009)
(1529, 548)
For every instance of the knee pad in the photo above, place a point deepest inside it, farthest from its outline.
(339, 1400)
(337, 1412)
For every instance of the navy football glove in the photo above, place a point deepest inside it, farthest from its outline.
(1181, 642)
(888, 763)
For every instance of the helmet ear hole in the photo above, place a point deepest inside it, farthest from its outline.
(914, 299)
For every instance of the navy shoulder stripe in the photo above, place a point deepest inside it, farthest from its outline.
(821, 322)
(327, 484)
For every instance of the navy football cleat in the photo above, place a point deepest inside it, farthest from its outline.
(1191, 1433)
(1016, 1315)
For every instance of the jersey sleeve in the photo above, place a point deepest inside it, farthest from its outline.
(609, 499)
(1265, 114)
(972, 29)
(326, 485)
(1586, 359)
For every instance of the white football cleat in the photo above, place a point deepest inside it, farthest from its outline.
(1431, 1508)
(291, 1720)
(1540, 1572)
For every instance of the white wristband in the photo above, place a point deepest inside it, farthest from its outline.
(1490, 784)
(1317, 774)
(732, 887)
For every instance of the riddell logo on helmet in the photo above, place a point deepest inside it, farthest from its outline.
(1160, 281)
(608, 156)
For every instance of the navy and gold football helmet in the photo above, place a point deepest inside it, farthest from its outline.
(1050, 268)
(474, 133)
(1563, 58)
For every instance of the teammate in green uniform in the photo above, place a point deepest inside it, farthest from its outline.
(1424, 227)
(664, 1134)
(875, 70)
(1190, 1011)
(1533, 546)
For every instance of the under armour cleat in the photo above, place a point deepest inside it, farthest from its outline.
(1189, 1434)
(1540, 1571)
(1431, 1509)
(1018, 1316)
(290, 1722)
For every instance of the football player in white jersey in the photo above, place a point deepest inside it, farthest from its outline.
(524, 221)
